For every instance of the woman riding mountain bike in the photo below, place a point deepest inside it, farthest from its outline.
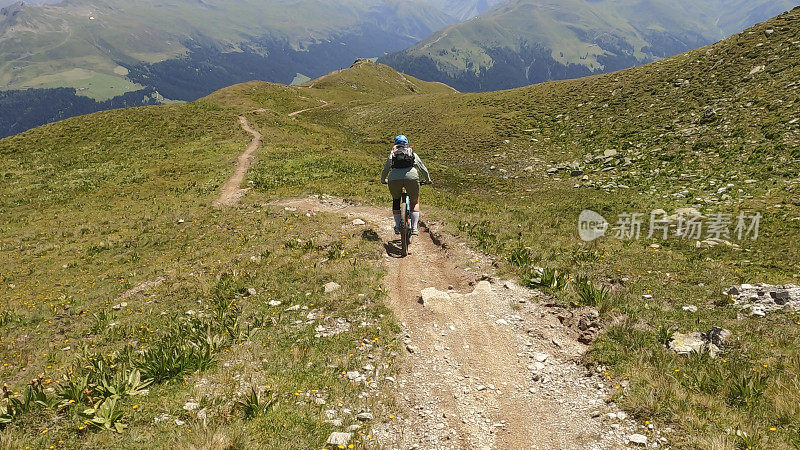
(404, 169)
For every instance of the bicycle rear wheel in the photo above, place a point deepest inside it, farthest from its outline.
(405, 233)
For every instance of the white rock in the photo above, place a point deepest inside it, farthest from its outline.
(435, 299)
(358, 222)
(365, 416)
(331, 287)
(274, 303)
(353, 375)
(191, 406)
(540, 357)
(690, 308)
(638, 439)
(483, 286)
(338, 438)
(501, 322)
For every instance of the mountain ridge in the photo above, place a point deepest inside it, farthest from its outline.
(528, 41)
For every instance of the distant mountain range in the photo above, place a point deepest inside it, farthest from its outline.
(4, 3)
(79, 56)
(185, 49)
(528, 41)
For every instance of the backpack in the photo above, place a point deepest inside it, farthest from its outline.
(402, 157)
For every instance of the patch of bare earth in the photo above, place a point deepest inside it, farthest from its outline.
(489, 364)
(231, 191)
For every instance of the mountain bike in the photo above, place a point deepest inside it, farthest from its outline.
(405, 222)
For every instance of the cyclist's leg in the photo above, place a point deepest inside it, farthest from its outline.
(396, 189)
(412, 187)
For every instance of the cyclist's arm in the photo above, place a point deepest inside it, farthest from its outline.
(425, 176)
(387, 167)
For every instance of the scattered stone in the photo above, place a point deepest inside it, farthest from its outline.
(202, 415)
(331, 287)
(761, 299)
(338, 438)
(483, 286)
(638, 439)
(274, 303)
(191, 406)
(576, 173)
(768, 32)
(358, 222)
(434, 299)
(251, 291)
(610, 153)
(717, 336)
(365, 416)
(179, 422)
(690, 308)
(540, 357)
(695, 342)
(412, 349)
(757, 69)
(120, 306)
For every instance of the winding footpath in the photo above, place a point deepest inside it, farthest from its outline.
(231, 191)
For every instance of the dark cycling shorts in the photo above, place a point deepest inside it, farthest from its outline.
(412, 188)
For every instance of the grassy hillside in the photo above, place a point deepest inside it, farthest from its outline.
(102, 203)
(529, 41)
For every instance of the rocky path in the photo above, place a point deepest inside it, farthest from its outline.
(231, 191)
(489, 365)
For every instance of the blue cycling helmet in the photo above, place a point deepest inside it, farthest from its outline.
(401, 140)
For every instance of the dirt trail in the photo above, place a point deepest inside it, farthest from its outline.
(231, 190)
(324, 104)
(140, 288)
(488, 365)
